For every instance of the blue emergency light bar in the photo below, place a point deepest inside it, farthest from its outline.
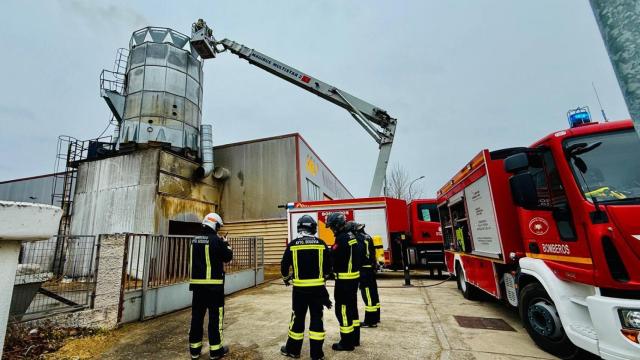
(579, 116)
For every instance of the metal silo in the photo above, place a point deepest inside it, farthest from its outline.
(162, 91)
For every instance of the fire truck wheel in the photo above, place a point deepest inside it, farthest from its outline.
(469, 291)
(541, 319)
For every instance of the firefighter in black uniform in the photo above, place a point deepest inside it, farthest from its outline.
(368, 283)
(346, 258)
(309, 257)
(208, 253)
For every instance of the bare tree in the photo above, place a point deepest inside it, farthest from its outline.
(398, 183)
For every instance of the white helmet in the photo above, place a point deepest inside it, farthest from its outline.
(211, 220)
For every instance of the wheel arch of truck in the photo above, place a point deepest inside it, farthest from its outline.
(568, 297)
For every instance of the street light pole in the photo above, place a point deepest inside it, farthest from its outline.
(414, 180)
(403, 244)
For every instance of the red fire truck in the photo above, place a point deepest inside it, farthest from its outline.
(554, 230)
(389, 221)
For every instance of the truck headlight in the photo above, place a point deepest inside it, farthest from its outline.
(630, 318)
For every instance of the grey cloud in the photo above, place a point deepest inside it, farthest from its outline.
(16, 113)
(93, 12)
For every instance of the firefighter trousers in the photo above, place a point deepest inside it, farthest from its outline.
(346, 308)
(212, 300)
(369, 291)
(310, 298)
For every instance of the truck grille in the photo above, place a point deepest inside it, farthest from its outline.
(614, 261)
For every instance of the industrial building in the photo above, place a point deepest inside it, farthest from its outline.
(265, 175)
(149, 191)
(156, 174)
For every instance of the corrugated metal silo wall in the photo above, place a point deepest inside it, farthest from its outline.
(263, 176)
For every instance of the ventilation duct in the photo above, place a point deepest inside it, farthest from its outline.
(206, 149)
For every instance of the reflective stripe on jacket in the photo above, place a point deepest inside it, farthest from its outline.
(309, 257)
(207, 256)
(347, 256)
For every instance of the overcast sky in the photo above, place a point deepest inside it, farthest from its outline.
(459, 76)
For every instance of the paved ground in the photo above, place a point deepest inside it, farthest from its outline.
(417, 323)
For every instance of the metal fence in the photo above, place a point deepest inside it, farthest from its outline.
(53, 276)
(248, 253)
(159, 260)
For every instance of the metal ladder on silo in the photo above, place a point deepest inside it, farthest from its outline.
(69, 151)
(113, 84)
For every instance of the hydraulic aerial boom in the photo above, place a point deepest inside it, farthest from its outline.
(375, 121)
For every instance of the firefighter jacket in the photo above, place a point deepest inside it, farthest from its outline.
(207, 256)
(346, 256)
(309, 257)
(368, 249)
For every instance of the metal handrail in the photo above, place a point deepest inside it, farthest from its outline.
(112, 81)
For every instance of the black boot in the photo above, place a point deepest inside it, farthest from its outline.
(218, 354)
(356, 335)
(338, 347)
(195, 352)
(285, 352)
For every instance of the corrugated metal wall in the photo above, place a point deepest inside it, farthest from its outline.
(274, 233)
(263, 176)
(313, 169)
(116, 195)
(34, 190)
(139, 192)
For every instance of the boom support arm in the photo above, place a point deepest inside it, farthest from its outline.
(375, 121)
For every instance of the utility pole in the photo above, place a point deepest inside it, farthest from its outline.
(619, 23)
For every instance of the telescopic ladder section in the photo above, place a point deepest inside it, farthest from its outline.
(375, 121)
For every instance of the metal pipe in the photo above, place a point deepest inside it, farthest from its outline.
(619, 23)
(206, 149)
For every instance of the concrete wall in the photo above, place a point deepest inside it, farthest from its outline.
(263, 176)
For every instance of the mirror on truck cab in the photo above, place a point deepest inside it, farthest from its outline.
(516, 163)
(523, 187)
(523, 190)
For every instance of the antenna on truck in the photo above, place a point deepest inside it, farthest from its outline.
(604, 116)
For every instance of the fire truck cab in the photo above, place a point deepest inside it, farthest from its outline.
(554, 230)
(396, 228)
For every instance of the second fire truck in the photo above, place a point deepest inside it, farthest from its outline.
(553, 229)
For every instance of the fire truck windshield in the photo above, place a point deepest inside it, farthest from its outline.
(607, 166)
